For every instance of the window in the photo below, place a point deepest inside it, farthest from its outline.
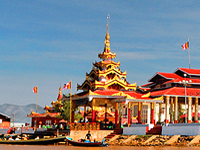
(144, 113)
(135, 112)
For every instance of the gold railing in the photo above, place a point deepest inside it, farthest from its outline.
(85, 126)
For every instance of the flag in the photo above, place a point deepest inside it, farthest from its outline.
(35, 90)
(67, 86)
(185, 46)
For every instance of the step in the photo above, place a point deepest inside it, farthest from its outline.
(195, 140)
(114, 138)
(157, 130)
(172, 140)
(150, 139)
(109, 136)
(130, 139)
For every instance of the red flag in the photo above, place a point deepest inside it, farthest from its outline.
(35, 90)
(67, 85)
(185, 46)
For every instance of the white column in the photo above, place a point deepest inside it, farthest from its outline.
(176, 110)
(189, 109)
(171, 110)
(196, 110)
(167, 116)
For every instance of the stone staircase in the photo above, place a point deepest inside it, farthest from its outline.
(157, 130)
(113, 134)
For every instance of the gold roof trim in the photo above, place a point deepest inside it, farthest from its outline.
(123, 94)
(115, 80)
(112, 70)
(147, 95)
(92, 93)
(103, 63)
(158, 98)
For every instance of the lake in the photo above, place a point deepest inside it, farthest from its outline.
(61, 147)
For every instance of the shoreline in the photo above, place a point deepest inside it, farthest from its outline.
(154, 141)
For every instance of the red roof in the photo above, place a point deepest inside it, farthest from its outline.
(148, 84)
(34, 114)
(106, 92)
(174, 75)
(136, 95)
(193, 81)
(130, 93)
(164, 75)
(144, 89)
(177, 91)
(190, 71)
(168, 75)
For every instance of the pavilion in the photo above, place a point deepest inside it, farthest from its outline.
(50, 116)
(106, 87)
(181, 90)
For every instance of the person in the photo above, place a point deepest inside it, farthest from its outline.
(10, 138)
(54, 126)
(37, 138)
(88, 136)
(17, 138)
(25, 137)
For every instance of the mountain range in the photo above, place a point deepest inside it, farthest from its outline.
(20, 112)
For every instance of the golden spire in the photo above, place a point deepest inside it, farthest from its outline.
(107, 38)
(107, 53)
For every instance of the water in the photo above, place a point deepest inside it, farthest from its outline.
(38, 147)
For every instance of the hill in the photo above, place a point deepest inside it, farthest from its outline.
(20, 112)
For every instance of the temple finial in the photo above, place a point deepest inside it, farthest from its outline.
(60, 94)
(108, 21)
(107, 54)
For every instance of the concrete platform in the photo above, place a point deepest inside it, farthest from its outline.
(136, 129)
(187, 129)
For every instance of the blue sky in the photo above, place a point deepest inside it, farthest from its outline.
(46, 43)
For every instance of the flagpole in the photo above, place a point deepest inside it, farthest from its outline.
(189, 52)
(36, 107)
(70, 103)
(36, 100)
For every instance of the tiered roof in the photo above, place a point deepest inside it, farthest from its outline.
(116, 95)
(177, 91)
(107, 82)
(189, 71)
(171, 84)
(106, 73)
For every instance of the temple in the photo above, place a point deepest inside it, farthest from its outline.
(180, 90)
(50, 116)
(108, 100)
(106, 91)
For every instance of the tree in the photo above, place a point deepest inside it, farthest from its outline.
(65, 112)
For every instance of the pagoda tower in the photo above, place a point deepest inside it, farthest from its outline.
(106, 74)
(106, 90)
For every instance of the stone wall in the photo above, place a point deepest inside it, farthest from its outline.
(98, 135)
